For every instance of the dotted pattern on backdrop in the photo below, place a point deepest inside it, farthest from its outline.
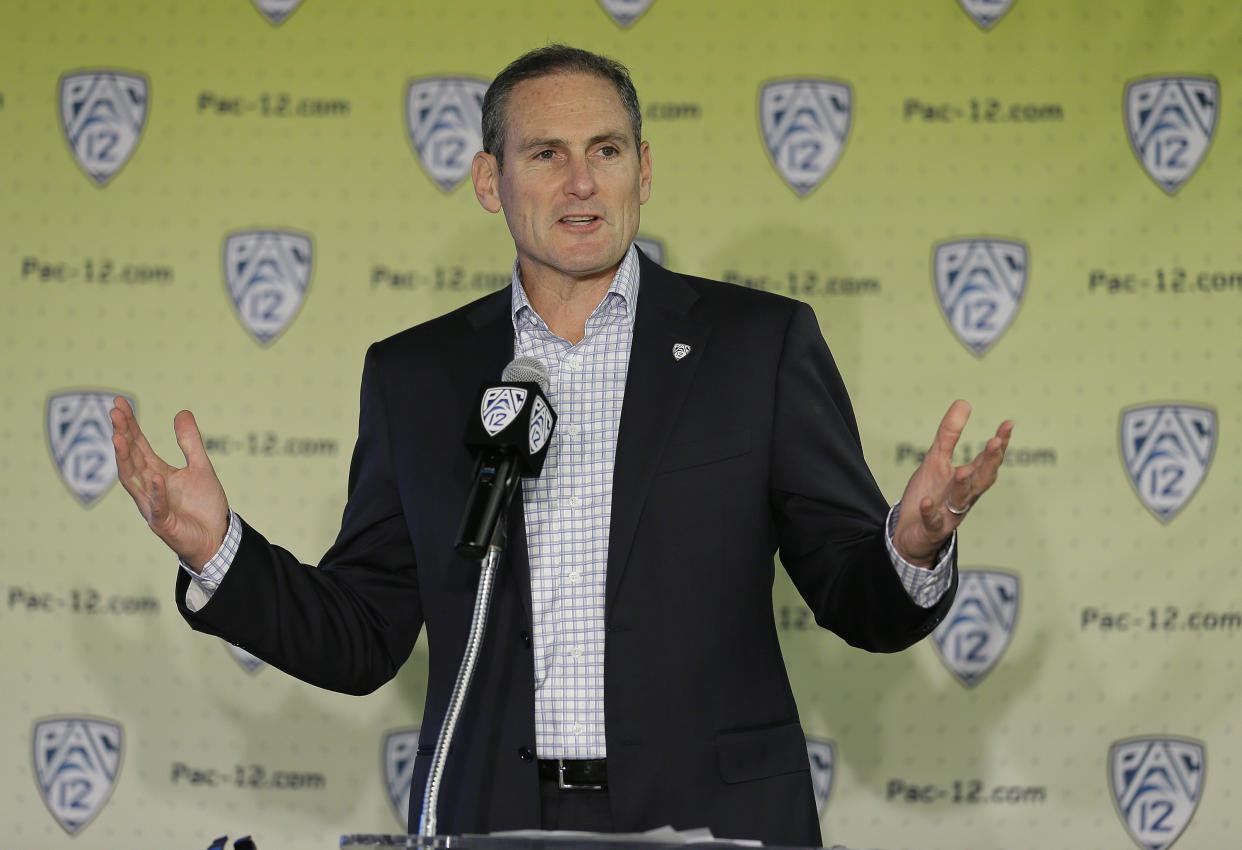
(987, 228)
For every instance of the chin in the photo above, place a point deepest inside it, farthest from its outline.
(590, 262)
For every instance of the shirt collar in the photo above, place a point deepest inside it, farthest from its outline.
(622, 290)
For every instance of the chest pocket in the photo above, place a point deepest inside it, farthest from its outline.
(711, 448)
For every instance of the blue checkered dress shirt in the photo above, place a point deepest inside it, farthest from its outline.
(568, 511)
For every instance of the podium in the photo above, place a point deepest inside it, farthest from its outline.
(543, 842)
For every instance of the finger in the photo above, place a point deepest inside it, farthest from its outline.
(950, 429)
(122, 416)
(124, 422)
(126, 472)
(138, 483)
(121, 404)
(961, 492)
(127, 464)
(987, 465)
(131, 468)
(933, 517)
(190, 440)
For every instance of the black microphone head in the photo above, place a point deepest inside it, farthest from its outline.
(528, 370)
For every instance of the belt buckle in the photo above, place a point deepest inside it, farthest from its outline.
(568, 786)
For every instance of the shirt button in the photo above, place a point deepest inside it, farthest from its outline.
(575, 577)
(573, 430)
(576, 652)
(574, 501)
(526, 754)
(574, 362)
(577, 729)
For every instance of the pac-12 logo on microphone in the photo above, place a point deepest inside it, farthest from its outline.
(267, 273)
(1156, 784)
(985, 13)
(277, 10)
(103, 114)
(979, 286)
(823, 759)
(1170, 122)
(1167, 449)
(804, 124)
(499, 407)
(76, 761)
(540, 425)
(625, 12)
(398, 752)
(444, 116)
(79, 433)
(977, 629)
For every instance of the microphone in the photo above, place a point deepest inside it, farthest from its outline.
(509, 438)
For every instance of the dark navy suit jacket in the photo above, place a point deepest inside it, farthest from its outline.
(745, 446)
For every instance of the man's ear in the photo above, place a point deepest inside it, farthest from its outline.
(485, 172)
(644, 173)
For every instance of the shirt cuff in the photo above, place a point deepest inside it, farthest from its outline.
(925, 587)
(204, 584)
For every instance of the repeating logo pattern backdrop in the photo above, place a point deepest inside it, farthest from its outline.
(1030, 204)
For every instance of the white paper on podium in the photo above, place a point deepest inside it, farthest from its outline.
(660, 835)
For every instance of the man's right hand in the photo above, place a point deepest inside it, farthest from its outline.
(185, 507)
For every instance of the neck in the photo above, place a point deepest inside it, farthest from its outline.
(565, 303)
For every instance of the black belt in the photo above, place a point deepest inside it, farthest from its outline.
(575, 774)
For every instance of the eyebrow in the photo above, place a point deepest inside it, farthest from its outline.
(618, 139)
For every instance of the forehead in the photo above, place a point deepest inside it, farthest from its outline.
(564, 106)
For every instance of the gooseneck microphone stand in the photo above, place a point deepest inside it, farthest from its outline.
(510, 437)
(478, 624)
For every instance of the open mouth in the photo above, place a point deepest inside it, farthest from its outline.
(579, 220)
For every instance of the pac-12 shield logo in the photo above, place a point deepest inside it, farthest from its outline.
(103, 114)
(76, 761)
(444, 116)
(399, 749)
(625, 12)
(1167, 449)
(248, 662)
(277, 10)
(823, 758)
(540, 425)
(985, 13)
(804, 124)
(977, 629)
(499, 407)
(653, 248)
(1156, 784)
(79, 433)
(979, 286)
(267, 273)
(1170, 121)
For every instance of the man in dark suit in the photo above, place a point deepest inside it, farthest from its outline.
(631, 675)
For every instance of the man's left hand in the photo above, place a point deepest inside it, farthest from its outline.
(942, 492)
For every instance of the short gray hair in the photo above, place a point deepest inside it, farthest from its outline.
(546, 62)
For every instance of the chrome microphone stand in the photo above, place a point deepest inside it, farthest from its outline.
(478, 624)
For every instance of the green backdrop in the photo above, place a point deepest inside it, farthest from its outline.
(1066, 175)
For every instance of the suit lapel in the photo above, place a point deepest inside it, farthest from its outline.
(655, 387)
(486, 354)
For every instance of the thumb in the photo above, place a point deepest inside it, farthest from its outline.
(190, 440)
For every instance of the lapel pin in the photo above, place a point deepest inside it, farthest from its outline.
(680, 350)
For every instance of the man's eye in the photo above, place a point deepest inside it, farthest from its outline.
(608, 150)
(545, 154)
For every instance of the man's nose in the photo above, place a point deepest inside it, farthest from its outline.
(580, 178)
